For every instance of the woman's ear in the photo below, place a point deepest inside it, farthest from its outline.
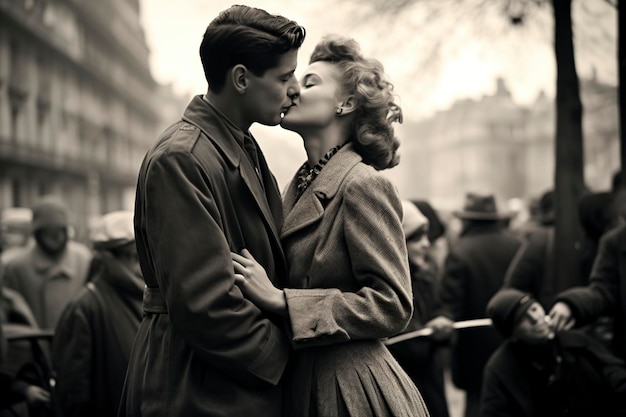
(239, 77)
(348, 105)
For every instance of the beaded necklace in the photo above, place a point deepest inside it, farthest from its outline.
(306, 174)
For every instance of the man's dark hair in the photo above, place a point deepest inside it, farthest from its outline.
(248, 36)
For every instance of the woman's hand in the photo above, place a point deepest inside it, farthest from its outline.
(252, 279)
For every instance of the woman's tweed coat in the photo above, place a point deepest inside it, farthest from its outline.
(349, 287)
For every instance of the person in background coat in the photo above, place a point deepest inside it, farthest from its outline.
(95, 333)
(605, 296)
(474, 270)
(422, 357)
(51, 272)
(532, 268)
(348, 283)
(538, 372)
(204, 190)
(14, 389)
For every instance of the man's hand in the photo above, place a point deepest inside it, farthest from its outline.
(561, 317)
(441, 327)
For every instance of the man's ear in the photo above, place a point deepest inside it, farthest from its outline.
(239, 76)
(348, 105)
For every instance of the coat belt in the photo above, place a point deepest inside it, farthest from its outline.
(153, 301)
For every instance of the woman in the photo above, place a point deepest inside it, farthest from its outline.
(349, 283)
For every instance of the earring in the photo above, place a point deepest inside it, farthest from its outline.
(339, 110)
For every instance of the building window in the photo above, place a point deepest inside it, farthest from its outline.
(16, 192)
(17, 108)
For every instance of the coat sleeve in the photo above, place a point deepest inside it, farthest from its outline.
(72, 360)
(375, 242)
(527, 267)
(194, 271)
(600, 296)
(452, 287)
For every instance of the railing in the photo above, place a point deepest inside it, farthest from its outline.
(465, 324)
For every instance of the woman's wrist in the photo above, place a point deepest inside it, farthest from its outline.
(279, 303)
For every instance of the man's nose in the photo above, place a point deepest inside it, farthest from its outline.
(294, 90)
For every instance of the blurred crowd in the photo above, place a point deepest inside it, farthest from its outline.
(70, 310)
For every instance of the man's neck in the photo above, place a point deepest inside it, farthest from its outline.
(228, 108)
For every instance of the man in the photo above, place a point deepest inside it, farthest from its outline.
(49, 273)
(537, 372)
(605, 296)
(532, 268)
(474, 270)
(95, 334)
(203, 191)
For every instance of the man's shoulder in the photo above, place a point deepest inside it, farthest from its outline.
(615, 234)
(181, 136)
(504, 355)
(21, 258)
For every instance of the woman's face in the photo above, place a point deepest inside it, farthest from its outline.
(319, 98)
(417, 244)
(269, 95)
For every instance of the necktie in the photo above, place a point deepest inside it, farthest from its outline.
(253, 155)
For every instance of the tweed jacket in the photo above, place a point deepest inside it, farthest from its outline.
(349, 287)
(202, 348)
(349, 274)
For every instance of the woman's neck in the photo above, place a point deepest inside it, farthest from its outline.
(318, 143)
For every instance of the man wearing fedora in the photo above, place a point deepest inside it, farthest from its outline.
(473, 272)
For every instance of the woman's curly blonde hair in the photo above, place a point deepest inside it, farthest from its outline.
(364, 78)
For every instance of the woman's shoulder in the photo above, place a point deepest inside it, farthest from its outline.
(363, 173)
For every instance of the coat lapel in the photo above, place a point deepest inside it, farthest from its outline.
(205, 118)
(309, 208)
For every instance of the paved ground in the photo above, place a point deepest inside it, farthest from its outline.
(456, 398)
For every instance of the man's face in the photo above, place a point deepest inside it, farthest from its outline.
(534, 327)
(268, 96)
(52, 239)
(129, 258)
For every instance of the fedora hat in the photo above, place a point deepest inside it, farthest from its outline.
(481, 207)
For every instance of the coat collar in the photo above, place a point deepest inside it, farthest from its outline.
(309, 207)
(220, 131)
(204, 116)
(52, 267)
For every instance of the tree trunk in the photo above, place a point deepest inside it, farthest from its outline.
(621, 59)
(569, 180)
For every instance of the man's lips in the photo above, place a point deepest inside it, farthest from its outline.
(285, 110)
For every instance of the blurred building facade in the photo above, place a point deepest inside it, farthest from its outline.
(495, 145)
(78, 104)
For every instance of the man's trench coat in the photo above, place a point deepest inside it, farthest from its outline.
(202, 349)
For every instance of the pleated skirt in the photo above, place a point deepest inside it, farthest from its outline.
(353, 379)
